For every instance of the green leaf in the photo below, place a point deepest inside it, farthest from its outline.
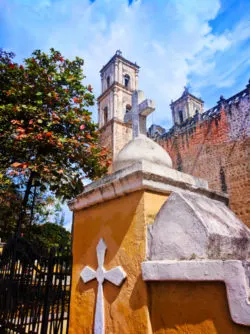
(38, 93)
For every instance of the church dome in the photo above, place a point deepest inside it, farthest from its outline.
(141, 148)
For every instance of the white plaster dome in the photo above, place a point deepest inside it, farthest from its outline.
(141, 148)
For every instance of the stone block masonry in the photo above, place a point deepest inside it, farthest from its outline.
(114, 135)
(216, 146)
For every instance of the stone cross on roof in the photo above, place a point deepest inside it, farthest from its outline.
(141, 108)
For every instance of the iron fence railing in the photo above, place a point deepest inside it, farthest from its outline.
(34, 289)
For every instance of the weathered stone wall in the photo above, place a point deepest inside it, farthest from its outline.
(106, 138)
(122, 135)
(217, 149)
(115, 135)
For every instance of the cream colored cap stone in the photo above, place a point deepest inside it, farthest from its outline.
(141, 148)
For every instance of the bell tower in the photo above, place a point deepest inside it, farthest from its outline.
(186, 107)
(119, 79)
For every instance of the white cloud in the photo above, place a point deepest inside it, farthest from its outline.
(171, 40)
(241, 31)
(222, 66)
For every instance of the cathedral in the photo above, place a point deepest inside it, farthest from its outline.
(212, 144)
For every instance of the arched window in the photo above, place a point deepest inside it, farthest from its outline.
(126, 80)
(128, 108)
(181, 116)
(108, 81)
(105, 115)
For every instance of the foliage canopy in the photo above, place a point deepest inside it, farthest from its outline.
(47, 137)
(49, 235)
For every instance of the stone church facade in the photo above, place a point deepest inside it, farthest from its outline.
(213, 145)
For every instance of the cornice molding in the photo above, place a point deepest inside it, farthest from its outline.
(141, 176)
(114, 85)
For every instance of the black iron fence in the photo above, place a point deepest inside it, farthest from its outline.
(34, 289)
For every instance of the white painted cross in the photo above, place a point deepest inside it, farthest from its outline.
(115, 276)
(141, 108)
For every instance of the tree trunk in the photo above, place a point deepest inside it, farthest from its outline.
(24, 204)
(33, 206)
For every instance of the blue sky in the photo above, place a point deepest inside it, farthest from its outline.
(205, 43)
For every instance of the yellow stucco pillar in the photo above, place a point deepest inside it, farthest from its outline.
(121, 221)
(118, 209)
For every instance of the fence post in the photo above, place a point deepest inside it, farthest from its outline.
(48, 288)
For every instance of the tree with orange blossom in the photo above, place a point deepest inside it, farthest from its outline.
(48, 140)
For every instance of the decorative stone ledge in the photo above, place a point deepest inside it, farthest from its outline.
(231, 272)
(141, 175)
